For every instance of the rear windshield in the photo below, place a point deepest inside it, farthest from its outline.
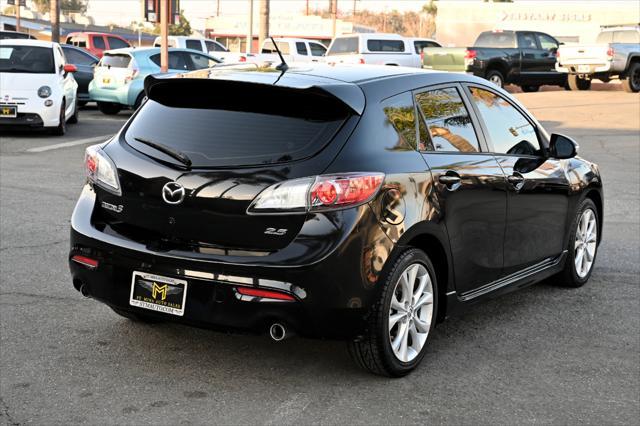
(629, 36)
(491, 39)
(26, 59)
(116, 61)
(344, 46)
(228, 132)
(385, 45)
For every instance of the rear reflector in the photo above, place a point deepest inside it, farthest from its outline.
(267, 294)
(86, 261)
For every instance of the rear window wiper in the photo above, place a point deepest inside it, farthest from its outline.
(173, 153)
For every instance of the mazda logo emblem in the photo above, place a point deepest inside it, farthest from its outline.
(173, 193)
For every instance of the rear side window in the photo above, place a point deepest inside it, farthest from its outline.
(448, 122)
(629, 36)
(116, 43)
(385, 45)
(301, 48)
(400, 113)
(194, 44)
(491, 39)
(509, 131)
(222, 131)
(98, 42)
(344, 46)
(115, 60)
(527, 41)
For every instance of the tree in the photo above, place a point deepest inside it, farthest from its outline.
(77, 6)
(181, 28)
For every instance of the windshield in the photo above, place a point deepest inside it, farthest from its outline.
(26, 59)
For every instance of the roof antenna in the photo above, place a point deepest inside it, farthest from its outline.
(283, 65)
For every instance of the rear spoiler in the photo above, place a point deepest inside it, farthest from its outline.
(179, 90)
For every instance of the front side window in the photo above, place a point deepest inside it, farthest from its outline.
(509, 131)
(201, 62)
(527, 41)
(26, 59)
(547, 43)
(385, 45)
(98, 42)
(447, 120)
(424, 44)
(317, 49)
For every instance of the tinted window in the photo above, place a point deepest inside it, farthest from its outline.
(26, 59)
(546, 42)
(491, 39)
(629, 36)
(509, 131)
(214, 47)
(385, 45)
(400, 113)
(218, 136)
(317, 49)
(201, 61)
(76, 57)
(115, 60)
(344, 46)
(423, 44)
(177, 61)
(448, 121)
(527, 41)
(301, 48)
(194, 44)
(98, 42)
(116, 43)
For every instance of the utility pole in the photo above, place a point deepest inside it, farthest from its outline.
(164, 35)
(307, 7)
(334, 16)
(250, 29)
(354, 8)
(18, 15)
(264, 21)
(218, 8)
(54, 12)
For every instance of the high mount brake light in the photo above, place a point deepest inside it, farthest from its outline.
(101, 170)
(322, 193)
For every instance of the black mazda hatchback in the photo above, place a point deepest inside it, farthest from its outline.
(355, 202)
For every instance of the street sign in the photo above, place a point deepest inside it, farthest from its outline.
(152, 11)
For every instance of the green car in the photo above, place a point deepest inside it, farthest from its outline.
(118, 79)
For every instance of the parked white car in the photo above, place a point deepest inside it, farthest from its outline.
(292, 49)
(377, 49)
(211, 47)
(37, 88)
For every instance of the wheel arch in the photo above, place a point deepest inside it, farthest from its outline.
(633, 58)
(594, 195)
(498, 65)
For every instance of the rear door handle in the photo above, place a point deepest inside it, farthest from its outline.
(516, 179)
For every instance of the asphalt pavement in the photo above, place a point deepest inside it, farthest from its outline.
(542, 355)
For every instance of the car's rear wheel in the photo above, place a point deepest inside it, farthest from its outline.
(400, 323)
(577, 83)
(109, 108)
(530, 88)
(495, 77)
(632, 82)
(137, 317)
(583, 246)
(61, 128)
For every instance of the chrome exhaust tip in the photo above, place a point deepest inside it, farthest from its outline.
(84, 290)
(278, 332)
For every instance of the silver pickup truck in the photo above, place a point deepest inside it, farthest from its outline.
(615, 54)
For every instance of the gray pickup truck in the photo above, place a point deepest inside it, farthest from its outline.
(615, 54)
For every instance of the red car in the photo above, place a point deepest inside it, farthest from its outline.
(96, 43)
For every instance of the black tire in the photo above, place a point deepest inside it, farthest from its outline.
(495, 77)
(139, 100)
(82, 104)
(74, 118)
(373, 351)
(137, 317)
(631, 84)
(530, 88)
(109, 108)
(577, 83)
(61, 129)
(569, 277)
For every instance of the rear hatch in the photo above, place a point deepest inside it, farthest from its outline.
(113, 70)
(445, 58)
(241, 138)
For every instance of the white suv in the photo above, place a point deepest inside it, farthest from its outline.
(37, 88)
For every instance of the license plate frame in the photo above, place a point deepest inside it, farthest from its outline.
(158, 293)
(8, 111)
(584, 68)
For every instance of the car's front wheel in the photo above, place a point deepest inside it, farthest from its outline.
(61, 128)
(400, 323)
(583, 246)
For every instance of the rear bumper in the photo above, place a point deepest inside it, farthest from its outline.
(579, 68)
(333, 287)
(118, 95)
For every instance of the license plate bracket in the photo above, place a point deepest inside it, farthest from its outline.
(158, 293)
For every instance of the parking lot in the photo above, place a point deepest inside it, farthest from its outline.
(542, 355)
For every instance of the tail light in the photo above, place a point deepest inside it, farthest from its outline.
(611, 52)
(85, 261)
(470, 54)
(242, 59)
(134, 73)
(101, 170)
(320, 193)
(361, 60)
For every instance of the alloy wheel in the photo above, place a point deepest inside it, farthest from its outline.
(411, 312)
(635, 78)
(586, 242)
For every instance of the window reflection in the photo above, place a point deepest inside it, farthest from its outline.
(509, 131)
(400, 113)
(448, 121)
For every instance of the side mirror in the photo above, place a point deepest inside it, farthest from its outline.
(70, 68)
(562, 147)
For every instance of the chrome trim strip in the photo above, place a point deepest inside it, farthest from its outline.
(513, 278)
